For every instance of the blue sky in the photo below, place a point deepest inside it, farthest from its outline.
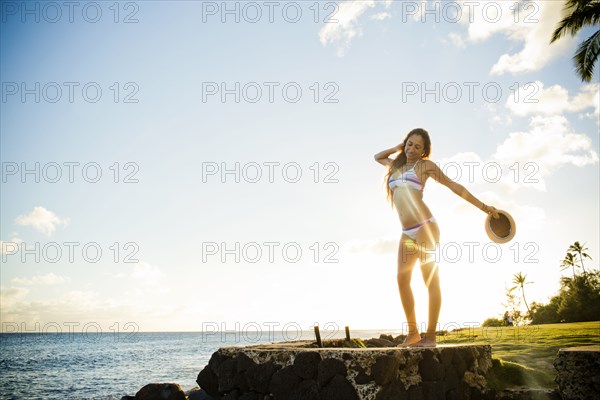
(165, 129)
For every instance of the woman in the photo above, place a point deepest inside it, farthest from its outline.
(405, 180)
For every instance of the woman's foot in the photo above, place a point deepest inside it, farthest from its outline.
(427, 341)
(410, 339)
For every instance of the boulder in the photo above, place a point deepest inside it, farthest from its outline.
(385, 369)
(161, 391)
(198, 394)
(328, 368)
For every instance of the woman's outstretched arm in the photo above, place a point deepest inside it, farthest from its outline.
(383, 156)
(436, 173)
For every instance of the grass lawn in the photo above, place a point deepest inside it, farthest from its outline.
(523, 355)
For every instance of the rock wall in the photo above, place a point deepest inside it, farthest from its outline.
(578, 372)
(290, 370)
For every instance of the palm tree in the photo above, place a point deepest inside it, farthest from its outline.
(566, 282)
(568, 261)
(580, 249)
(582, 13)
(520, 280)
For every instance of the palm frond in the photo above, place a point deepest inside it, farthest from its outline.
(586, 56)
(584, 14)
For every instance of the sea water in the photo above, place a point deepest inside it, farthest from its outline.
(59, 366)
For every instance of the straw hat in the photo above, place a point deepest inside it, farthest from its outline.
(502, 229)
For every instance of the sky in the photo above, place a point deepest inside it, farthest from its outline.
(202, 166)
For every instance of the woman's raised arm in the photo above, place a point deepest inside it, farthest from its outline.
(383, 156)
(431, 169)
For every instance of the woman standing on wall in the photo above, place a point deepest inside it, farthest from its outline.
(405, 180)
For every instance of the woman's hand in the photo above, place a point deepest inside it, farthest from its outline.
(400, 147)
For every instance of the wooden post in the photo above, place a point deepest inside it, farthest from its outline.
(318, 336)
(347, 333)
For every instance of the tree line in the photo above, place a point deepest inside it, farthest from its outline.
(578, 299)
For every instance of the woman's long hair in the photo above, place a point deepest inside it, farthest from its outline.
(400, 160)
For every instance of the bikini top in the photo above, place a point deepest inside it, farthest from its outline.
(407, 180)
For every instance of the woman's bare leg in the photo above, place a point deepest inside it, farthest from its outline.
(407, 258)
(428, 237)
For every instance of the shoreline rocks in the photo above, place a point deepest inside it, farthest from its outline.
(290, 370)
(299, 370)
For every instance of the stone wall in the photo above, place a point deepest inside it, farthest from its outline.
(578, 372)
(291, 370)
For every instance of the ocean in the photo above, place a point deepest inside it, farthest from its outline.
(59, 366)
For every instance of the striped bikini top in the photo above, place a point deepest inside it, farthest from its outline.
(408, 180)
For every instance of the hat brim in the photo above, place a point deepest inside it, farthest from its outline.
(494, 236)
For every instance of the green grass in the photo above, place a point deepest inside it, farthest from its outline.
(523, 356)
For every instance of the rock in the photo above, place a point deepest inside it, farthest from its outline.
(528, 394)
(433, 390)
(429, 368)
(578, 375)
(339, 389)
(297, 371)
(259, 376)
(379, 343)
(284, 382)
(198, 394)
(451, 379)
(208, 381)
(386, 337)
(233, 395)
(241, 382)
(127, 398)
(475, 381)
(459, 363)
(215, 360)
(226, 372)
(160, 391)
(361, 377)
(328, 368)
(446, 356)
(306, 364)
(306, 390)
(393, 391)
(250, 396)
(243, 362)
(385, 369)
(416, 393)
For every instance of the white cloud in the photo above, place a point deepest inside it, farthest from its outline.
(549, 143)
(498, 115)
(469, 168)
(524, 159)
(71, 305)
(42, 220)
(83, 306)
(488, 17)
(457, 40)
(10, 246)
(381, 16)
(146, 274)
(48, 279)
(537, 51)
(347, 26)
(554, 100)
(11, 296)
(532, 26)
